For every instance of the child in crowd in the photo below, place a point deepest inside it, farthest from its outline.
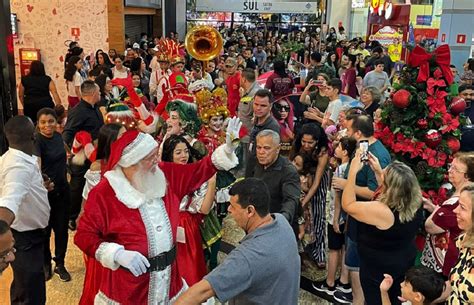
(422, 286)
(336, 223)
(302, 163)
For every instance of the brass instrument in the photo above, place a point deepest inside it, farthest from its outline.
(203, 43)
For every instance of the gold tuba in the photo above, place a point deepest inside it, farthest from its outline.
(203, 42)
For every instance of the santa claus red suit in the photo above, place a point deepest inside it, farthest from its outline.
(132, 230)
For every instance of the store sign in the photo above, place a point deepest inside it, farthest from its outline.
(258, 6)
(424, 20)
(358, 3)
(14, 22)
(390, 38)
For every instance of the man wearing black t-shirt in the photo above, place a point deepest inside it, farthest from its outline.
(388, 64)
(86, 116)
(249, 62)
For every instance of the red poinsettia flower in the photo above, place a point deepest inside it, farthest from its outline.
(433, 84)
(428, 153)
(438, 73)
(418, 148)
(441, 158)
(450, 123)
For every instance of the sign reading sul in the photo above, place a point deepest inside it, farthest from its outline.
(258, 6)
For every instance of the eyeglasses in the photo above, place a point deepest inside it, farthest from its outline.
(4, 257)
(454, 169)
(229, 66)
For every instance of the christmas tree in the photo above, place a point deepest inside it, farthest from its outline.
(420, 121)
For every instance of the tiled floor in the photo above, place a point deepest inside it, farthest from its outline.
(59, 293)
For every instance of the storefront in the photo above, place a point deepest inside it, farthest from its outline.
(281, 15)
(394, 23)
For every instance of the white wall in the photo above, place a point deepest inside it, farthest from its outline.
(339, 11)
(46, 25)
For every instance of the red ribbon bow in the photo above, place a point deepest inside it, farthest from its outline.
(420, 58)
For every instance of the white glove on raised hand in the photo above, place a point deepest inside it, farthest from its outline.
(232, 135)
(133, 261)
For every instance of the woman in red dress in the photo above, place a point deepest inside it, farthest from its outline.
(193, 207)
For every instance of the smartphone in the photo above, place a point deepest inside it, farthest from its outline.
(318, 83)
(364, 147)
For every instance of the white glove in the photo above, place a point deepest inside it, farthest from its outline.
(133, 261)
(232, 135)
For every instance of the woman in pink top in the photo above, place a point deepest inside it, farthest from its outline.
(349, 76)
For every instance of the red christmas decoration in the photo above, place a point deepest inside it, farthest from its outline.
(453, 144)
(457, 106)
(433, 138)
(401, 98)
(422, 123)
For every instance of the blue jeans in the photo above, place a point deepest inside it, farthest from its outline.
(352, 260)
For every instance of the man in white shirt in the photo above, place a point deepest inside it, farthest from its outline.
(332, 91)
(24, 205)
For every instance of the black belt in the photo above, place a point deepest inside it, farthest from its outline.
(162, 260)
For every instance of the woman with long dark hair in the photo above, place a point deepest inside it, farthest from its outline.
(102, 59)
(313, 96)
(74, 80)
(332, 62)
(119, 70)
(279, 82)
(35, 90)
(193, 207)
(312, 140)
(138, 66)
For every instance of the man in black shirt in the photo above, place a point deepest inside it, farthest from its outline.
(279, 175)
(388, 64)
(86, 116)
(263, 119)
(249, 62)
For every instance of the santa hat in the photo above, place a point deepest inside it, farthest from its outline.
(130, 149)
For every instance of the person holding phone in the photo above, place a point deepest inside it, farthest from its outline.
(316, 100)
(361, 128)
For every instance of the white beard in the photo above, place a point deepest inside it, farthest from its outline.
(151, 184)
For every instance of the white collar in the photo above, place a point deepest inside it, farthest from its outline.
(30, 158)
(124, 191)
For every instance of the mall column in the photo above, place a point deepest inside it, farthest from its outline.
(457, 28)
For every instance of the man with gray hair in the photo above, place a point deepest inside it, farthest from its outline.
(87, 117)
(279, 175)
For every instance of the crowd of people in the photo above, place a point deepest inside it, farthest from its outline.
(156, 148)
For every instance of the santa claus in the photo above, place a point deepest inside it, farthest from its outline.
(130, 218)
